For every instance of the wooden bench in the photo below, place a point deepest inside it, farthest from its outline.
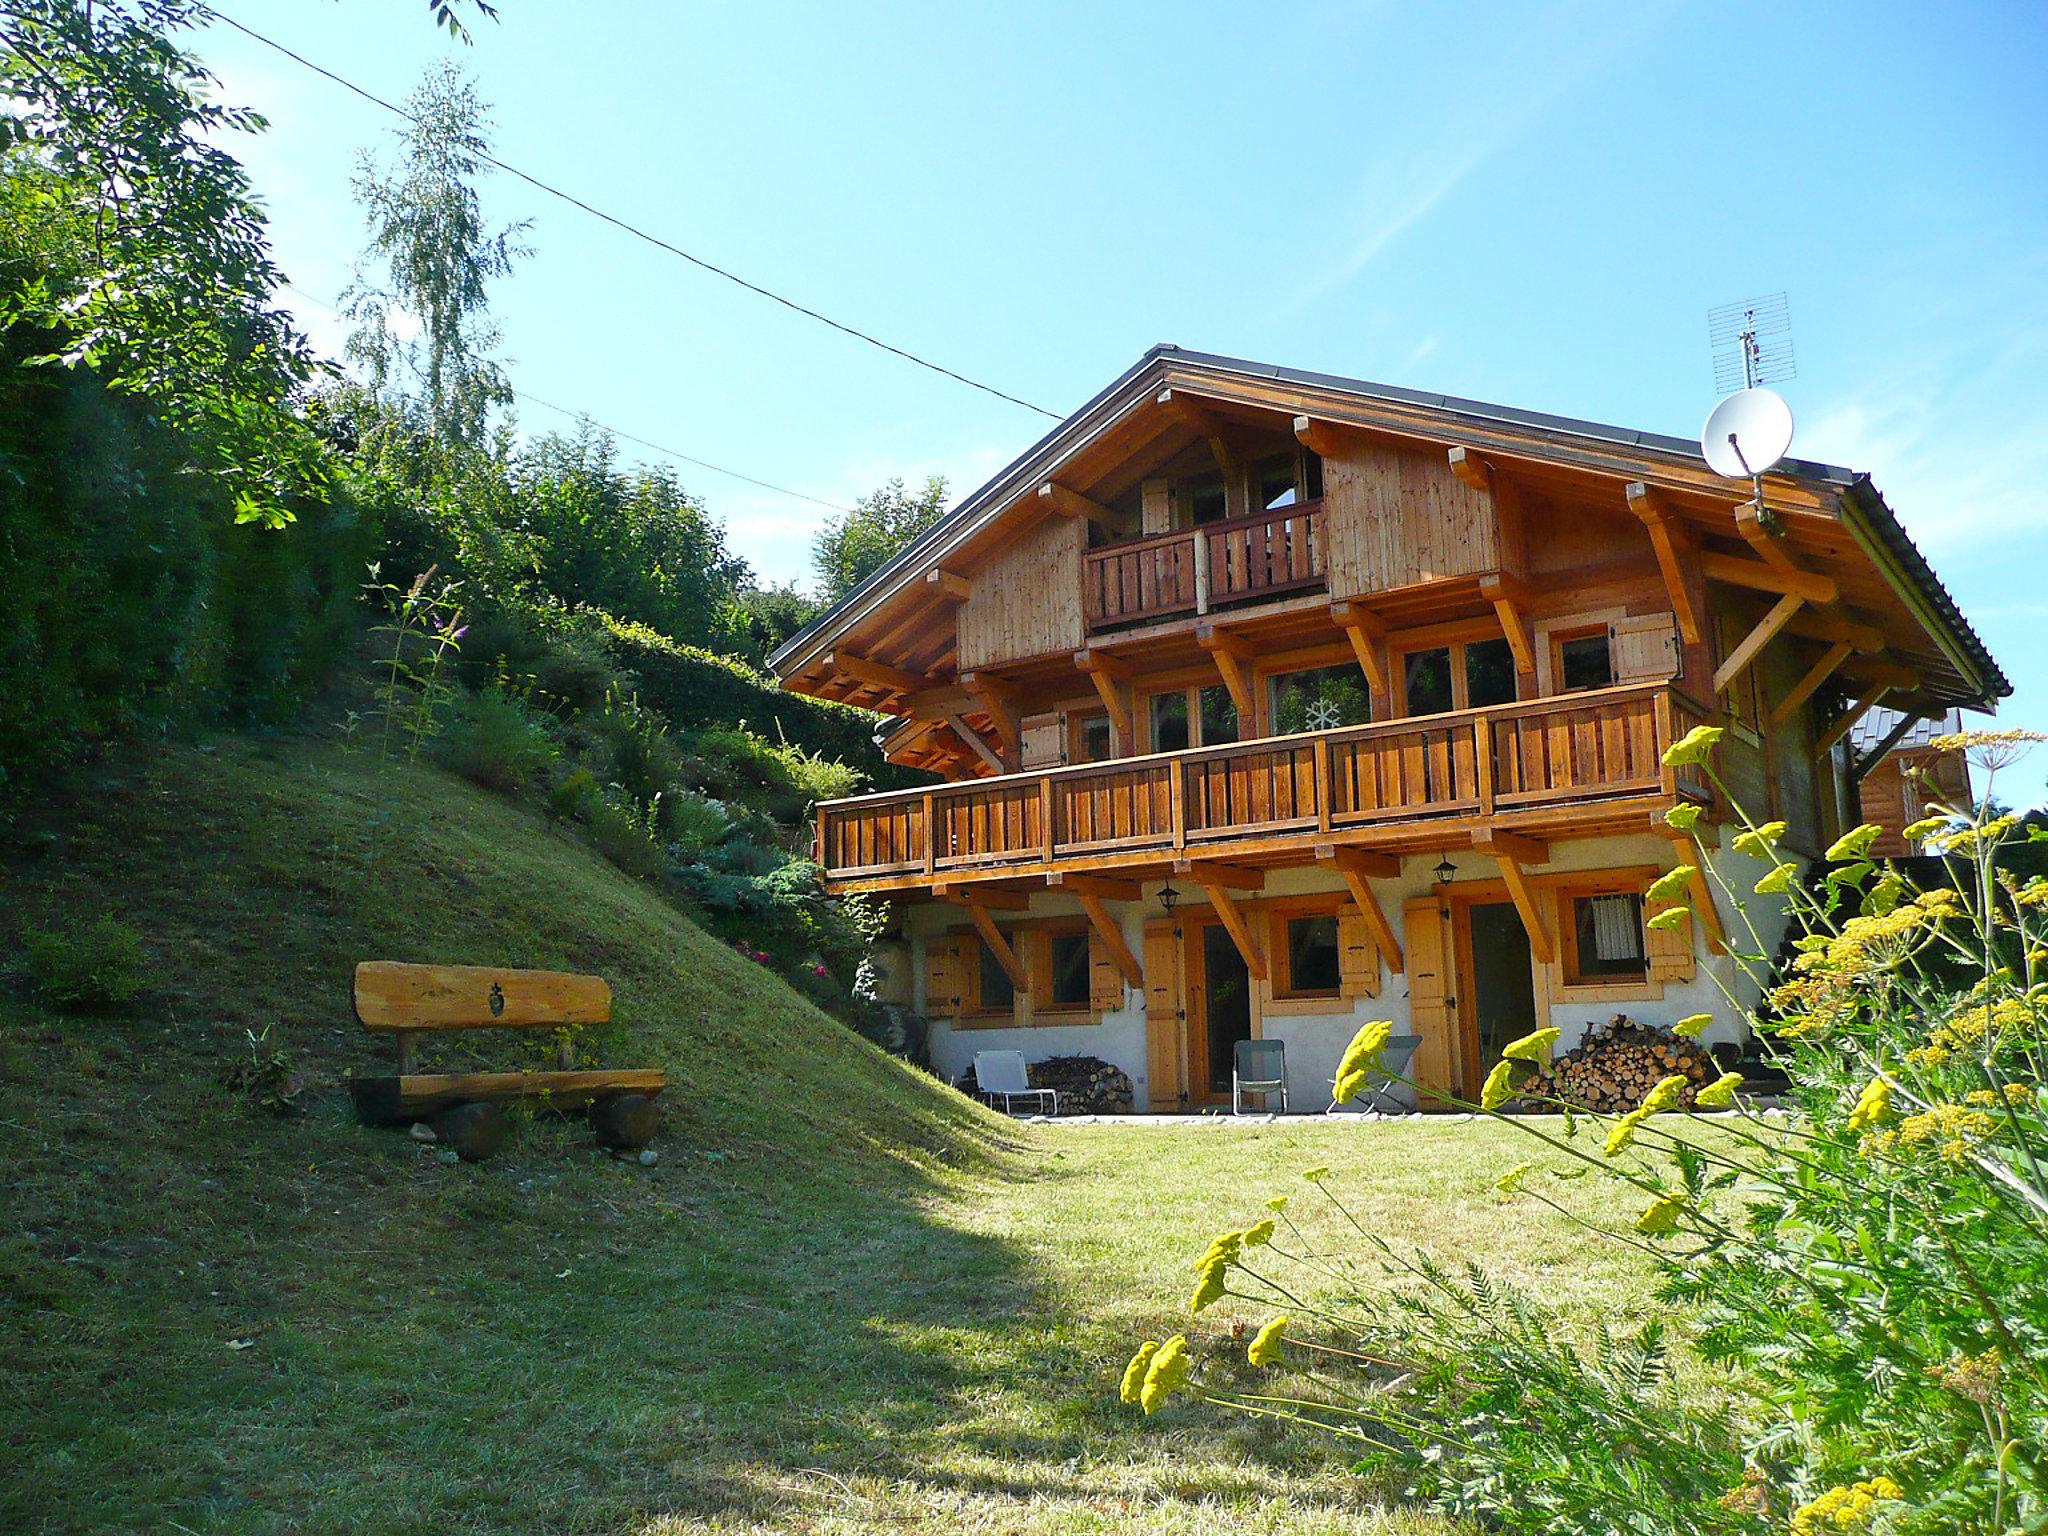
(411, 1001)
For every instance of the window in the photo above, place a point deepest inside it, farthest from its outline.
(1067, 971)
(1169, 721)
(1203, 500)
(1319, 699)
(1275, 483)
(1583, 661)
(1469, 675)
(995, 992)
(1607, 939)
(1219, 716)
(1093, 740)
(1313, 967)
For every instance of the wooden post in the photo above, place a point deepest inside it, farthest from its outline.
(1201, 570)
(1045, 805)
(931, 835)
(1176, 796)
(1322, 761)
(1482, 761)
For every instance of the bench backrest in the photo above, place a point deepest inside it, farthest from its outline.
(391, 995)
(1001, 1072)
(1261, 1061)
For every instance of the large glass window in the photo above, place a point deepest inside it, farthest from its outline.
(1093, 740)
(1607, 939)
(997, 992)
(1318, 699)
(1468, 675)
(1313, 966)
(1428, 675)
(1068, 986)
(1219, 716)
(1489, 673)
(1584, 661)
(1170, 721)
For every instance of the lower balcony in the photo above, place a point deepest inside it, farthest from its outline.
(1582, 764)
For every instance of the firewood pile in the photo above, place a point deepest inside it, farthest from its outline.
(1087, 1085)
(1617, 1063)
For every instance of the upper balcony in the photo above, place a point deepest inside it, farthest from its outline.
(1580, 764)
(1197, 570)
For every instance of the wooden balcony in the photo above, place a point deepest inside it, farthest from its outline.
(1197, 570)
(1579, 765)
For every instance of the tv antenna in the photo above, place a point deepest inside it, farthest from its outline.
(1750, 430)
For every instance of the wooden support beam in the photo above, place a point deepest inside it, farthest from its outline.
(1234, 924)
(1207, 872)
(1677, 555)
(1508, 596)
(1112, 938)
(1231, 654)
(1531, 909)
(1804, 689)
(1814, 625)
(972, 739)
(1846, 720)
(999, 946)
(995, 703)
(1318, 437)
(1472, 469)
(970, 893)
(1103, 887)
(1510, 845)
(1703, 907)
(876, 674)
(1758, 577)
(947, 586)
(1112, 683)
(1762, 532)
(1354, 864)
(1070, 503)
(1365, 630)
(1753, 643)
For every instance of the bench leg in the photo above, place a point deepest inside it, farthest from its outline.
(475, 1130)
(624, 1121)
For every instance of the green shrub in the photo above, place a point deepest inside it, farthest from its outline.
(692, 822)
(624, 831)
(97, 966)
(568, 798)
(640, 757)
(494, 740)
(1868, 1278)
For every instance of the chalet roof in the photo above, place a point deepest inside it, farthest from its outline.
(1864, 513)
(1881, 722)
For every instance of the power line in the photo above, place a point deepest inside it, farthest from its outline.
(674, 453)
(641, 234)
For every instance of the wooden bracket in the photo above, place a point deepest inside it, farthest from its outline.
(1365, 630)
(1753, 643)
(1355, 865)
(1759, 577)
(1526, 903)
(1846, 720)
(1472, 469)
(1112, 936)
(1233, 923)
(971, 893)
(1318, 437)
(947, 586)
(1508, 597)
(972, 738)
(1230, 653)
(1103, 887)
(999, 946)
(995, 703)
(1070, 503)
(1677, 549)
(1510, 845)
(1112, 680)
(1208, 872)
(1761, 531)
(1804, 689)
(875, 674)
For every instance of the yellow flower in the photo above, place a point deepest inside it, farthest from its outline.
(1720, 1093)
(1166, 1374)
(1223, 1248)
(1259, 1233)
(1661, 1217)
(1134, 1373)
(1759, 843)
(1318, 1172)
(1504, 1082)
(1277, 1203)
(1210, 1290)
(1689, 1027)
(1265, 1346)
(1665, 1095)
(1693, 746)
(1925, 828)
(1535, 1047)
(1623, 1131)
(1349, 1085)
(1777, 882)
(1670, 920)
(1670, 885)
(1873, 1106)
(1844, 1511)
(1510, 1182)
(1362, 1054)
(1853, 844)
(1684, 817)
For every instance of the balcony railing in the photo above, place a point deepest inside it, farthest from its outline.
(1578, 748)
(1200, 569)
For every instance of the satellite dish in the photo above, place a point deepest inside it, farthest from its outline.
(1747, 433)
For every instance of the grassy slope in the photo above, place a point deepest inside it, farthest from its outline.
(843, 1298)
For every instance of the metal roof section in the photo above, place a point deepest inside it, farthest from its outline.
(1869, 520)
(1880, 722)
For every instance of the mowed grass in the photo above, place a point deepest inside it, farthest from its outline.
(844, 1300)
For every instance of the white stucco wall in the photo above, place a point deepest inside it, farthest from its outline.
(1315, 1039)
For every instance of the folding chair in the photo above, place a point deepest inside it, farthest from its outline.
(1258, 1066)
(1002, 1075)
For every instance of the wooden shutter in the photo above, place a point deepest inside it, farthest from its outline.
(1105, 981)
(1358, 958)
(1163, 1008)
(945, 976)
(1644, 648)
(1423, 931)
(1041, 741)
(1670, 949)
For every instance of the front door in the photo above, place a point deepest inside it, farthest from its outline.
(1166, 1013)
(1223, 1015)
(1502, 983)
(1198, 1005)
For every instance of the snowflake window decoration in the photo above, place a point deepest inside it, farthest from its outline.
(1322, 715)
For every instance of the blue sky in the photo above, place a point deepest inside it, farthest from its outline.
(1530, 204)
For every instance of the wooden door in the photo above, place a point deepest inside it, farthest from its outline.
(1166, 1015)
(1432, 996)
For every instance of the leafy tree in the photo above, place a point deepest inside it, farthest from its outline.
(427, 233)
(761, 618)
(852, 548)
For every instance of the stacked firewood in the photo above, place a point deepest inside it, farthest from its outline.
(1616, 1063)
(1087, 1085)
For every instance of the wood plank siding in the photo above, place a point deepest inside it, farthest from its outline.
(1027, 600)
(1396, 518)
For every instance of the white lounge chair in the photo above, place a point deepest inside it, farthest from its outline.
(1258, 1066)
(1002, 1075)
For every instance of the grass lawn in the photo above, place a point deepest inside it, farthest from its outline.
(844, 1300)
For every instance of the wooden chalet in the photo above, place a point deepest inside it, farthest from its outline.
(1264, 702)
(1903, 774)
